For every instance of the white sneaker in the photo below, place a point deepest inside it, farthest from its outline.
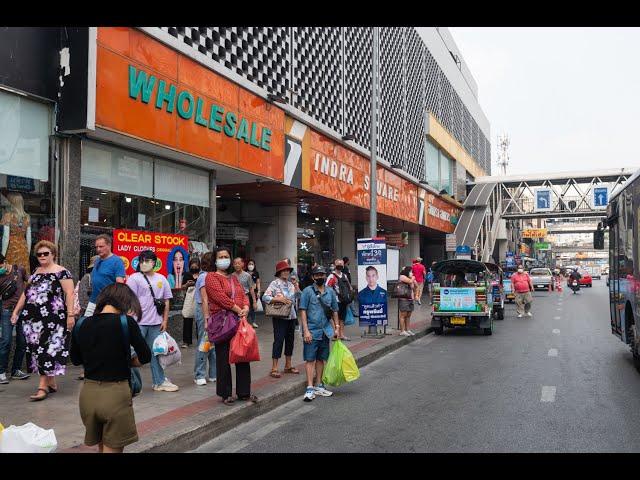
(212, 380)
(254, 325)
(3, 378)
(519, 315)
(200, 381)
(309, 394)
(410, 333)
(166, 386)
(405, 333)
(529, 314)
(323, 392)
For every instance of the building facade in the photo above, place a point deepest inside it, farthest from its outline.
(256, 138)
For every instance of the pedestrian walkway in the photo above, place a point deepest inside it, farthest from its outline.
(161, 416)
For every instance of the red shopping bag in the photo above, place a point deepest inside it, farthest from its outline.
(244, 345)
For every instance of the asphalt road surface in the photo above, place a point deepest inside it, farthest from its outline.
(556, 382)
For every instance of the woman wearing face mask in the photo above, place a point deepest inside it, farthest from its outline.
(149, 286)
(255, 276)
(189, 280)
(222, 296)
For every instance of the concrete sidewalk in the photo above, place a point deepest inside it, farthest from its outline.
(180, 421)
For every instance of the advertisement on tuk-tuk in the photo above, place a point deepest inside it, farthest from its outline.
(458, 299)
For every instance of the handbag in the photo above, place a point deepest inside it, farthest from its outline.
(159, 304)
(188, 307)
(278, 310)
(402, 290)
(9, 288)
(222, 326)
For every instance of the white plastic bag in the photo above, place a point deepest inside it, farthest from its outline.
(27, 438)
(258, 307)
(161, 344)
(173, 354)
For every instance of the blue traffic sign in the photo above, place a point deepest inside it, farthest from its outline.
(543, 199)
(600, 196)
(463, 250)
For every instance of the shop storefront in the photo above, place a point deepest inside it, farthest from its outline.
(27, 177)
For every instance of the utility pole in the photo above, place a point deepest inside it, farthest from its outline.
(373, 187)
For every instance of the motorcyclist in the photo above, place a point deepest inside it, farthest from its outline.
(574, 276)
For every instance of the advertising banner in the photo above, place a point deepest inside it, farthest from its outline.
(458, 299)
(372, 281)
(172, 251)
(438, 214)
(534, 233)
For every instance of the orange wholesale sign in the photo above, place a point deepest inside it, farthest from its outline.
(333, 171)
(439, 214)
(149, 91)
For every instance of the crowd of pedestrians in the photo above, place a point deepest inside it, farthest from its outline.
(53, 321)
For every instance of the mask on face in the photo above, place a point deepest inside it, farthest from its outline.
(194, 270)
(223, 263)
(319, 281)
(251, 268)
(146, 267)
(520, 270)
(339, 268)
(3, 271)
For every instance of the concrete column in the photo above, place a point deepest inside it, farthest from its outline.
(433, 252)
(213, 208)
(68, 152)
(413, 249)
(287, 233)
(346, 245)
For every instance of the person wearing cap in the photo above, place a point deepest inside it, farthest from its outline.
(282, 290)
(319, 319)
(149, 285)
(419, 273)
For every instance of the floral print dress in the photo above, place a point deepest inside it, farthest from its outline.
(44, 320)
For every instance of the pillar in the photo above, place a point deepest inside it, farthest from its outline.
(69, 153)
(288, 233)
(346, 245)
(213, 208)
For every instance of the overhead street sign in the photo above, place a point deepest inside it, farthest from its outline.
(534, 233)
(543, 200)
(600, 197)
(451, 242)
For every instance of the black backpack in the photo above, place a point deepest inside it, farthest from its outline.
(345, 293)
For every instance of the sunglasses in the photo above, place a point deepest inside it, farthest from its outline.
(43, 254)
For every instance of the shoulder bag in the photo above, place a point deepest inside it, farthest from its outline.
(9, 288)
(159, 303)
(188, 307)
(402, 290)
(278, 310)
(222, 326)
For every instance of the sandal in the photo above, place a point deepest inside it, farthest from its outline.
(275, 374)
(250, 398)
(291, 370)
(228, 401)
(80, 377)
(36, 398)
(52, 389)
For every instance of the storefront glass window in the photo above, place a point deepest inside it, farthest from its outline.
(27, 200)
(445, 173)
(433, 168)
(316, 241)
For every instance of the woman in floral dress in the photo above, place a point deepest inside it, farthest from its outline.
(46, 321)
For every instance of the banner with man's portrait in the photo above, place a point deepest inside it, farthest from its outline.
(372, 282)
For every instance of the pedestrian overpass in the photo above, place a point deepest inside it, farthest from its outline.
(512, 198)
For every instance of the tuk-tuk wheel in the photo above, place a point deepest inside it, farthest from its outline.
(488, 331)
(438, 331)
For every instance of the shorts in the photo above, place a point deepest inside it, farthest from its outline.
(106, 409)
(406, 305)
(316, 350)
(342, 311)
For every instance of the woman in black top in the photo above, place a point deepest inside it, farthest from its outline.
(255, 276)
(99, 344)
(189, 280)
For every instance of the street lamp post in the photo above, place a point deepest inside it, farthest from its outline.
(373, 203)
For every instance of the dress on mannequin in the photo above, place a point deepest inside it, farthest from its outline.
(16, 238)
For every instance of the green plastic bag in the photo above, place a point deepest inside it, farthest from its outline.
(341, 366)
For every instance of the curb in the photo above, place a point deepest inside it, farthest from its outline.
(201, 428)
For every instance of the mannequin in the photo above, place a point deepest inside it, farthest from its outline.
(16, 238)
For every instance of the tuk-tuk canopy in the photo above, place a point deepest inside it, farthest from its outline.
(448, 267)
(493, 268)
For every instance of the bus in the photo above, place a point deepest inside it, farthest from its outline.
(623, 220)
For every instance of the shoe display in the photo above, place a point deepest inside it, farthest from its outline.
(20, 375)
(166, 386)
(200, 381)
(323, 392)
(309, 394)
(3, 379)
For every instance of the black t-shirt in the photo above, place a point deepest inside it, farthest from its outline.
(255, 276)
(99, 346)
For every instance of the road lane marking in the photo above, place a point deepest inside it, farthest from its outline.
(548, 394)
(557, 318)
(555, 330)
(553, 352)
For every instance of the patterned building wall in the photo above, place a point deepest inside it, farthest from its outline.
(326, 73)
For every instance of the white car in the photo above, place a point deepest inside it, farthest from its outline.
(541, 278)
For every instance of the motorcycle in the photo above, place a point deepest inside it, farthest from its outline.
(574, 285)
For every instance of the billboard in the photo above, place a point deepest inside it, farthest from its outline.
(372, 282)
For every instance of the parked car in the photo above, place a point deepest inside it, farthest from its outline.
(586, 280)
(541, 278)
(595, 273)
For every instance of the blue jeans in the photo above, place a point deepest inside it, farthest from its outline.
(200, 367)
(149, 333)
(5, 343)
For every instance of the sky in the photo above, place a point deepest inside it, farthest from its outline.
(569, 98)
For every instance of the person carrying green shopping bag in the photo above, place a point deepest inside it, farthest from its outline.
(341, 366)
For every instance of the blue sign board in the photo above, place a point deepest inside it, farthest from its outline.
(463, 250)
(543, 199)
(21, 184)
(600, 196)
(510, 259)
(372, 282)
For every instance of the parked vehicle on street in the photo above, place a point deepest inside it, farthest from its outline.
(497, 290)
(586, 280)
(596, 273)
(509, 293)
(542, 278)
(464, 297)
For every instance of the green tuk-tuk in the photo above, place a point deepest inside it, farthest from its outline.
(497, 289)
(464, 297)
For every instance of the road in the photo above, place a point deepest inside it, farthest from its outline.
(556, 382)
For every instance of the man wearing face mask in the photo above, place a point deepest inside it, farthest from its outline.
(150, 286)
(522, 286)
